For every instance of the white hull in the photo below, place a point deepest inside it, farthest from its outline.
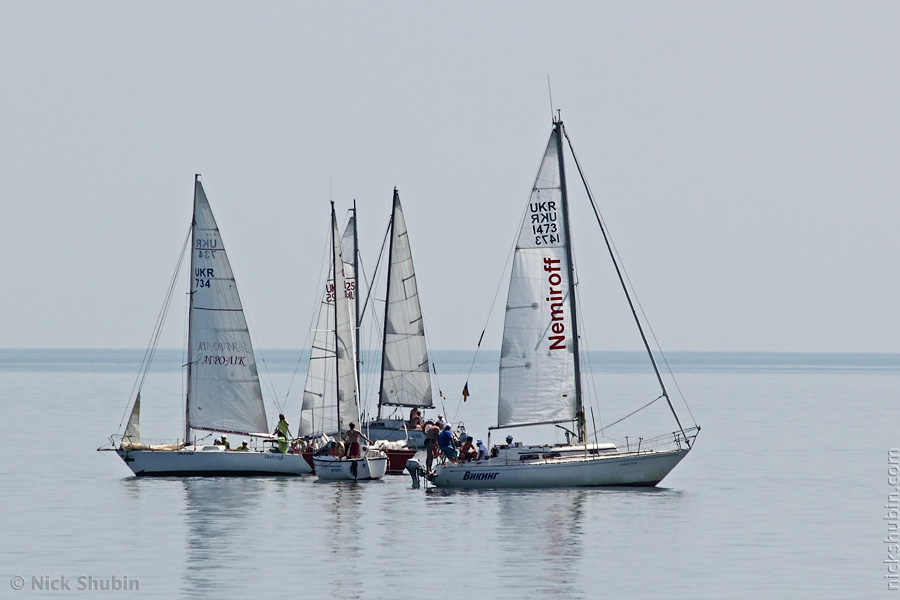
(391, 430)
(614, 469)
(332, 468)
(211, 460)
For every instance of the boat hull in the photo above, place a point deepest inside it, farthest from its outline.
(396, 459)
(629, 469)
(332, 468)
(193, 463)
(392, 430)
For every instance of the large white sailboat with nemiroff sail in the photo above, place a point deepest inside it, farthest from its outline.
(540, 363)
(223, 389)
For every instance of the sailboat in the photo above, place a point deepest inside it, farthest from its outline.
(405, 380)
(223, 390)
(331, 394)
(540, 370)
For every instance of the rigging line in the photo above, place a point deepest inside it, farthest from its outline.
(377, 264)
(550, 92)
(586, 354)
(150, 352)
(317, 302)
(622, 280)
(603, 429)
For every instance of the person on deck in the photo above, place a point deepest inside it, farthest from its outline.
(353, 436)
(468, 451)
(445, 443)
(415, 419)
(432, 432)
(243, 447)
(509, 441)
(281, 442)
(483, 453)
(283, 427)
(225, 443)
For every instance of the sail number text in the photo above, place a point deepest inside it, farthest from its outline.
(543, 223)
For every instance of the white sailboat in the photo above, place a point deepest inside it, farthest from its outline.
(405, 380)
(330, 404)
(540, 371)
(223, 389)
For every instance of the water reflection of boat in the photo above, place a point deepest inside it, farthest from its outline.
(218, 520)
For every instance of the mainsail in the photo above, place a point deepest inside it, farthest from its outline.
(319, 413)
(223, 385)
(537, 360)
(405, 380)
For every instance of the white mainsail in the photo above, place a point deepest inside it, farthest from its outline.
(224, 393)
(319, 413)
(405, 380)
(537, 359)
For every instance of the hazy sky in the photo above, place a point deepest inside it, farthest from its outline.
(746, 156)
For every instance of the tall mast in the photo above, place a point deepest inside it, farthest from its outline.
(387, 296)
(570, 273)
(190, 352)
(358, 323)
(335, 266)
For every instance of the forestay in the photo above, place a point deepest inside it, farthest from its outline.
(537, 365)
(223, 388)
(405, 380)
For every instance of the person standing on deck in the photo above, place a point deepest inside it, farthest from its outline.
(445, 442)
(353, 437)
(432, 432)
(283, 427)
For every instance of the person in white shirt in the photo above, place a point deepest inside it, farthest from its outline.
(482, 451)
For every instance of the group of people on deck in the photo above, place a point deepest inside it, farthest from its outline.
(439, 441)
(223, 441)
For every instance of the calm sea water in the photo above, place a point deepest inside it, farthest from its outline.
(786, 494)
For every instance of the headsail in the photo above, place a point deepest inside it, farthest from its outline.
(405, 380)
(537, 359)
(319, 412)
(224, 393)
(132, 433)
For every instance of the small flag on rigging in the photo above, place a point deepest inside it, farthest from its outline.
(466, 392)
